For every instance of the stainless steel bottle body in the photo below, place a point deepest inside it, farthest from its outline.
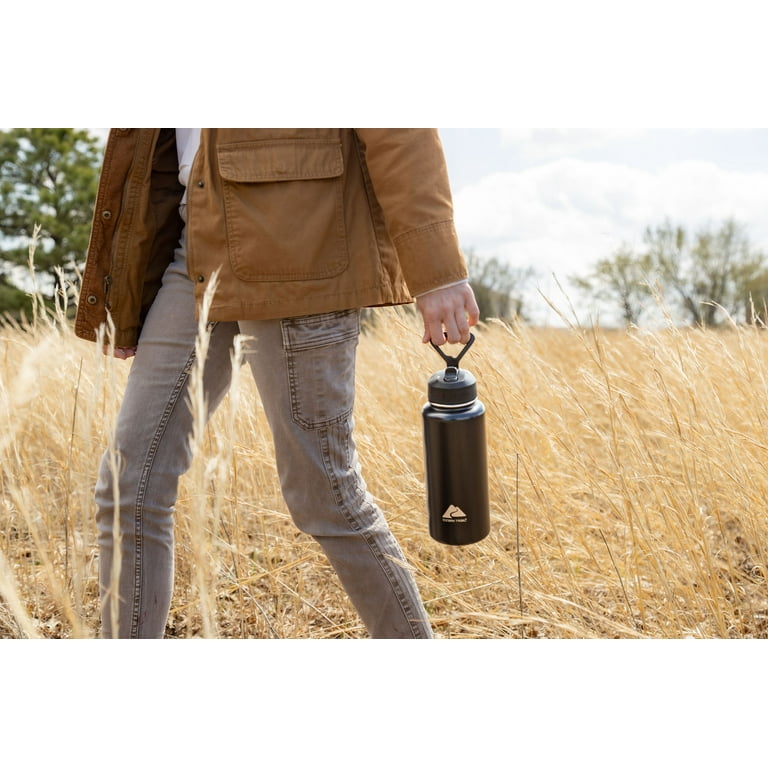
(456, 473)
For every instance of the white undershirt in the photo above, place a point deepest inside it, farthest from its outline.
(187, 142)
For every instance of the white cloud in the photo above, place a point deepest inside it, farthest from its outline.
(562, 216)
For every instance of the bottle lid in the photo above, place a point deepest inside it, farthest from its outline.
(453, 387)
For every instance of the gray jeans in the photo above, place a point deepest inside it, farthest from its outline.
(304, 369)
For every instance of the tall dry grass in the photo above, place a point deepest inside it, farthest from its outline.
(627, 476)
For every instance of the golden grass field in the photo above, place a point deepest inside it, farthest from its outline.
(627, 474)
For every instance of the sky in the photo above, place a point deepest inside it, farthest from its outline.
(559, 199)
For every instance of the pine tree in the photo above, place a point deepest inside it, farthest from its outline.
(48, 177)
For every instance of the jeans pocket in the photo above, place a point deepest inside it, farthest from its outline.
(320, 355)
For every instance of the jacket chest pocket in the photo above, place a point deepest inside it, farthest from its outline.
(283, 203)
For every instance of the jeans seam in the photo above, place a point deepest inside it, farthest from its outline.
(142, 490)
(349, 515)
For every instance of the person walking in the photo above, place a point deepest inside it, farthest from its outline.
(299, 229)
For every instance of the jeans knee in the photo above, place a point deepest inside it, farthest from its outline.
(145, 495)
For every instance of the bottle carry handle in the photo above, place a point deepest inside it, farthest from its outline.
(453, 362)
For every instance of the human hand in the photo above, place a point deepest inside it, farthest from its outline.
(448, 314)
(121, 353)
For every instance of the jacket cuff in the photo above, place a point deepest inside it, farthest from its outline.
(430, 257)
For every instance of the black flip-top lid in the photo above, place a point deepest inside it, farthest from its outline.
(453, 387)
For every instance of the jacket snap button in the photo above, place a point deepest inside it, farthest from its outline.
(91, 299)
(201, 278)
(106, 214)
(200, 183)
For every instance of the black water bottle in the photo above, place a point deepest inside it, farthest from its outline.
(455, 455)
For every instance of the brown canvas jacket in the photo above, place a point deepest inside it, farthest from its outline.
(296, 221)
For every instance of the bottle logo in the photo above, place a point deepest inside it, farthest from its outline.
(454, 515)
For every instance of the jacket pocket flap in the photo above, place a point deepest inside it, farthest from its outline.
(288, 160)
